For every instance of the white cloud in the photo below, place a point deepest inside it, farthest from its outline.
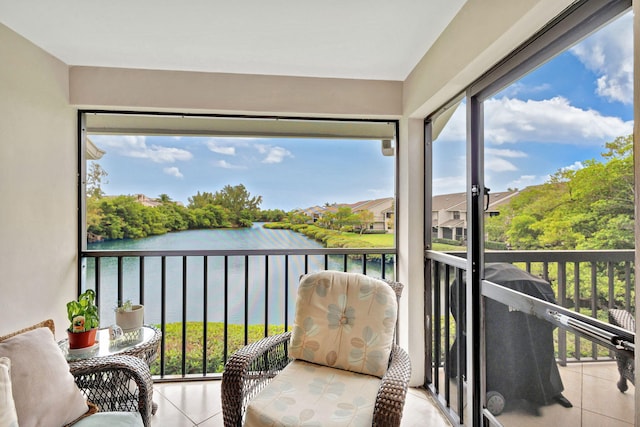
(273, 154)
(574, 167)
(509, 120)
(221, 149)
(136, 146)
(449, 184)
(226, 165)
(497, 164)
(555, 120)
(505, 152)
(173, 171)
(159, 154)
(524, 181)
(609, 54)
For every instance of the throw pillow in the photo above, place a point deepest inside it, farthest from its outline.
(44, 390)
(345, 321)
(8, 416)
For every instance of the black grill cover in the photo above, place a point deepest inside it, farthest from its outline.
(520, 352)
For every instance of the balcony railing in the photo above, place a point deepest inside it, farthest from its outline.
(208, 303)
(587, 282)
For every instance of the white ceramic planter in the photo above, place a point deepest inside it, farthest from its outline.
(130, 320)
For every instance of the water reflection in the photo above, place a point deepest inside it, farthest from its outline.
(247, 282)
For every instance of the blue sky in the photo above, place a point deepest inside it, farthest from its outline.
(288, 173)
(556, 117)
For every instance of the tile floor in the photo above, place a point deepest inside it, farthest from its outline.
(591, 388)
(189, 404)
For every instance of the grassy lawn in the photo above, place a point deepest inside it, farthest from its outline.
(377, 240)
(445, 248)
(388, 241)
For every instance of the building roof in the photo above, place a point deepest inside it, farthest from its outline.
(458, 201)
(383, 204)
(371, 204)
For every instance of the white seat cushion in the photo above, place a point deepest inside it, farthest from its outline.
(308, 394)
(8, 416)
(111, 419)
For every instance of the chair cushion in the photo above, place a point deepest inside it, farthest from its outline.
(309, 394)
(44, 390)
(8, 416)
(112, 419)
(344, 320)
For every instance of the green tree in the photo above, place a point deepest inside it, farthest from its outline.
(271, 215)
(365, 219)
(588, 208)
(242, 209)
(209, 216)
(200, 200)
(175, 216)
(297, 217)
(95, 177)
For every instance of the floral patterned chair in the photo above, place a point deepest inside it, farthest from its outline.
(339, 364)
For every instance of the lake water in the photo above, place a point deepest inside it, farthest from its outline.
(259, 277)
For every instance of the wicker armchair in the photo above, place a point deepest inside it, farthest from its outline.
(624, 358)
(116, 383)
(249, 370)
(118, 387)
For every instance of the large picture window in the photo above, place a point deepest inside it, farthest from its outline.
(211, 220)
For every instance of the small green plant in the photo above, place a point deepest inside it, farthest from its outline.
(127, 305)
(83, 312)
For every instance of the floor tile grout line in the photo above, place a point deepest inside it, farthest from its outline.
(176, 406)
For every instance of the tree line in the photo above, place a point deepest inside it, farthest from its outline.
(588, 208)
(124, 217)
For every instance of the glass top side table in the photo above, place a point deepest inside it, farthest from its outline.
(142, 343)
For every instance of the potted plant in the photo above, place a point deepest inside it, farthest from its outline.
(129, 317)
(85, 319)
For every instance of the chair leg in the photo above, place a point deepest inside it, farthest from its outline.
(622, 363)
(622, 384)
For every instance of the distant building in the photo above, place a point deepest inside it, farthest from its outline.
(382, 210)
(449, 213)
(147, 201)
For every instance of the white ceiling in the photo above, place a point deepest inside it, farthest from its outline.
(363, 39)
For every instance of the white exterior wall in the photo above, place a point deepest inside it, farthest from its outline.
(37, 187)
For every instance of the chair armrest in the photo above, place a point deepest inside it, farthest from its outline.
(248, 371)
(116, 383)
(393, 389)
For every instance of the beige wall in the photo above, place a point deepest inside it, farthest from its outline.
(37, 186)
(181, 91)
